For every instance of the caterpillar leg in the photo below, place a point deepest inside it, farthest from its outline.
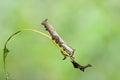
(64, 56)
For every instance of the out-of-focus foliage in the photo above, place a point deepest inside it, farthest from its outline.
(92, 27)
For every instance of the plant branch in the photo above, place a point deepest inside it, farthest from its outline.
(6, 50)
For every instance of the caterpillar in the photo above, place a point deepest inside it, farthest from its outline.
(58, 40)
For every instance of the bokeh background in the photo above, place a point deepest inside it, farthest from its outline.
(91, 27)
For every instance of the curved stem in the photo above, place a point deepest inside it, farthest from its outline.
(5, 50)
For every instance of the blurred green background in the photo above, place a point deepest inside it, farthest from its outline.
(91, 27)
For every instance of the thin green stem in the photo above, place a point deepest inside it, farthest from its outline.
(5, 53)
(5, 50)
